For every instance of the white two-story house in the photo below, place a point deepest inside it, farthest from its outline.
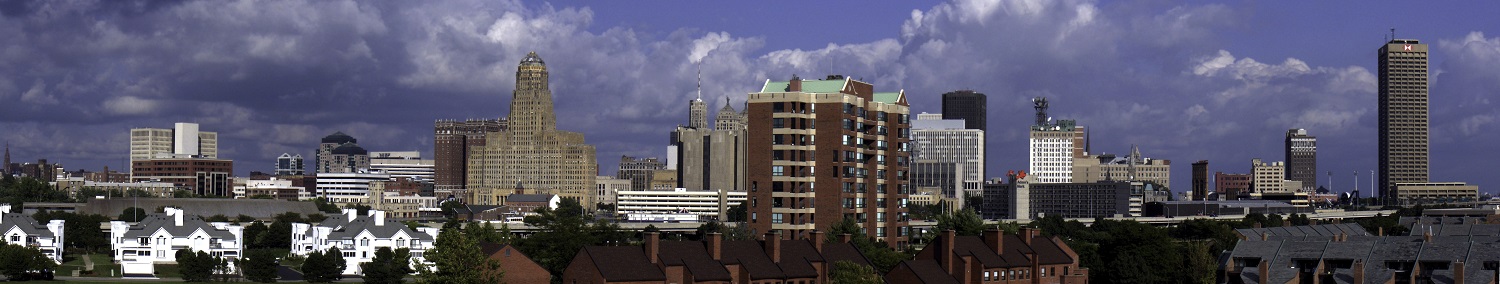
(359, 236)
(20, 229)
(156, 239)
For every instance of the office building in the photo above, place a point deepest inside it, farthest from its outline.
(202, 176)
(340, 153)
(342, 188)
(403, 164)
(994, 257)
(1053, 146)
(638, 171)
(1133, 167)
(139, 247)
(1200, 181)
(939, 140)
(607, 187)
(1232, 186)
(531, 150)
(966, 105)
(452, 140)
(289, 165)
(1268, 177)
(707, 204)
(183, 140)
(861, 149)
(1024, 198)
(710, 158)
(1414, 193)
(1403, 115)
(1302, 158)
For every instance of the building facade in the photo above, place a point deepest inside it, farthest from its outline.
(1302, 158)
(139, 247)
(342, 188)
(403, 164)
(708, 204)
(531, 150)
(1200, 180)
(20, 229)
(1107, 167)
(1053, 149)
(966, 105)
(638, 171)
(607, 187)
(862, 148)
(207, 177)
(358, 237)
(1023, 198)
(1403, 114)
(710, 158)
(936, 139)
(290, 165)
(340, 153)
(184, 140)
(452, 140)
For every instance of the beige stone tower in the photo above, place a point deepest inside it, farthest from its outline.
(531, 150)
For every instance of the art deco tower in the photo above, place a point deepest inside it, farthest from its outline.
(530, 152)
(1403, 115)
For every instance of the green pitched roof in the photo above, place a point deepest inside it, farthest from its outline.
(889, 98)
(808, 86)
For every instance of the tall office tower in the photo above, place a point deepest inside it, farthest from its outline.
(1302, 159)
(638, 171)
(1403, 115)
(1054, 145)
(936, 139)
(289, 165)
(710, 158)
(452, 140)
(340, 153)
(531, 151)
(1200, 180)
(182, 141)
(861, 153)
(966, 105)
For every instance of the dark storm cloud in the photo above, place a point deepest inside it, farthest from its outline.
(273, 77)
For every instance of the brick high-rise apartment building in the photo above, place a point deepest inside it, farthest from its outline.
(804, 177)
(1403, 115)
(452, 140)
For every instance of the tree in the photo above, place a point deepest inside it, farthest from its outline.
(325, 206)
(388, 266)
(132, 214)
(216, 218)
(260, 265)
(24, 263)
(316, 217)
(83, 231)
(253, 234)
(456, 261)
(195, 266)
(559, 235)
(964, 222)
(278, 235)
(846, 272)
(737, 213)
(1199, 262)
(880, 254)
(242, 218)
(324, 266)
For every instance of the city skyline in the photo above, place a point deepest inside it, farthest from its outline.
(1214, 81)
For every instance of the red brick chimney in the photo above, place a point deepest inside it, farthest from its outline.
(1458, 271)
(1027, 234)
(652, 246)
(715, 243)
(1265, 271)
(1359, 271)
(945, 251)
(795, 85)
(773, 246)
(962, 272)
(817, 240)
(995, 239)
(846, 238)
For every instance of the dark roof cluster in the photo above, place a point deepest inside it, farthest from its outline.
(1356, 258)
(25, 223)
(797, 259)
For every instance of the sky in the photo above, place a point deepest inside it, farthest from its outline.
(1185, 81)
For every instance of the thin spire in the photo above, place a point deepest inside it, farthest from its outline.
(700, 81)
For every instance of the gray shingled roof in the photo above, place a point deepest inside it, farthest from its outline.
(1323, 230)
(1379, 255)
(349, 229)
(27, 225)
(264, 209)
(161, 221)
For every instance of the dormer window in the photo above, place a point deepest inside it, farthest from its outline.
(364, 242)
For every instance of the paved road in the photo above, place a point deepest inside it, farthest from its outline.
(287, 274)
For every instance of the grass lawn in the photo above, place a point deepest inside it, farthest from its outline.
(102, 266)
(167, 271)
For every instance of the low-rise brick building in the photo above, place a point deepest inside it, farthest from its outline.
(713, 260)
(992, 258)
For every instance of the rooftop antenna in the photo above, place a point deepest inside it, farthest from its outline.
(700, 81)
(1393, 33)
